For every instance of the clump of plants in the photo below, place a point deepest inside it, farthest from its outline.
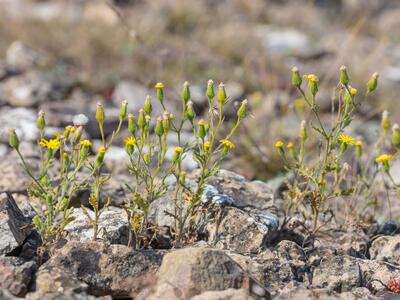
(146, 146)
(148, 164)
(319, 179)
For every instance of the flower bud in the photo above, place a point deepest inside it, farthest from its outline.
(185, 92)
(303, 131)
(344, 77)
(207, 146)
(146, 158)
(166, 122)
(358, 145)
(279, 145)
(202, 128)
(160, 92)
(14, 141)
(40, 123)
(100, 156)
(296, 78)
(292, 151)
(100, 114)
(372, 83)
(131, 124)
(221, 95)
(210, 90)
(190, 114)
(313, 84)
(385, 123)
(182, 178)
(177, 153)
(147, 106)
(141, 122)
(396, 135)
(78, 134)
(159, 127)
(241, 113)
(123, 111)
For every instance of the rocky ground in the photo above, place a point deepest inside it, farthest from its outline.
(243, 252)
(245, 247)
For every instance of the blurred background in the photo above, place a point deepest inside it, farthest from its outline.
(64, 56)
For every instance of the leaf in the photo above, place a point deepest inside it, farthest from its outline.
(66, 222)
(85, 212)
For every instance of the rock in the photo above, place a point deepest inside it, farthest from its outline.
(113, 226)
(337, 273)
(12, 222)
(22, 119)
(132, 92)
(16, 274)
(283, 40)
(6, 295)
(234, 229)
(244, 193)
(229, 294)
(106, 269)
(66, 295)
(386, 248)
(21, 57)
(191, 271)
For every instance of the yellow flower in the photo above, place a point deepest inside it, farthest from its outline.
(159, 85)
(178, 150)
(202, 123)
(130, 141)
(279, 144)
(347, 140)
(384, 158)
(290, 145)
(228, 144)
(70, 128)
(358, 143)
(353, 91)
(52, 144)
(102, 150)
(312, 77)
(85, 143)
(207, 146)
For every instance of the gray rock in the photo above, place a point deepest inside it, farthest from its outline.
(233, 229)
(386, 248)
(16, 274)
(12, 223)
(338, 273)
(132, 92)
(113, 226)
(21, 57)
(22, 119)
(106, 269)
(229, 294)
(6, 295)
(189, 272)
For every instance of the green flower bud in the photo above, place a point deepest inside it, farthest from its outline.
(385, 123)
(185, 92)
(131, 124)
(344, 77)
(100, 114)
(303, 131)
(160, 92)
(202, 129)
(190, 114)
(41, 123)
(210, 90)
(123, 111)
(100, 156)
(358, 148)
(177, 154)
(372, 83)
(166, 121)
(147, 106)
(146, 158)
(221, 95)
(182, 178)
(241, 113)
(159, 127)
(14, 141)
(141, 122)
(296, 79)
(396, 135)
(312, 83)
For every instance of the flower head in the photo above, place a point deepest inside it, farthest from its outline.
(131, 141)
(347, 140)
(279, 144)
(52, 144)
(207, 146)
(228, 144)
(312, 77)
(159, 85)
(80, 120)
(178, 150)
(85, 143)
(290, 145)
(384, 158)
(358, 143)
